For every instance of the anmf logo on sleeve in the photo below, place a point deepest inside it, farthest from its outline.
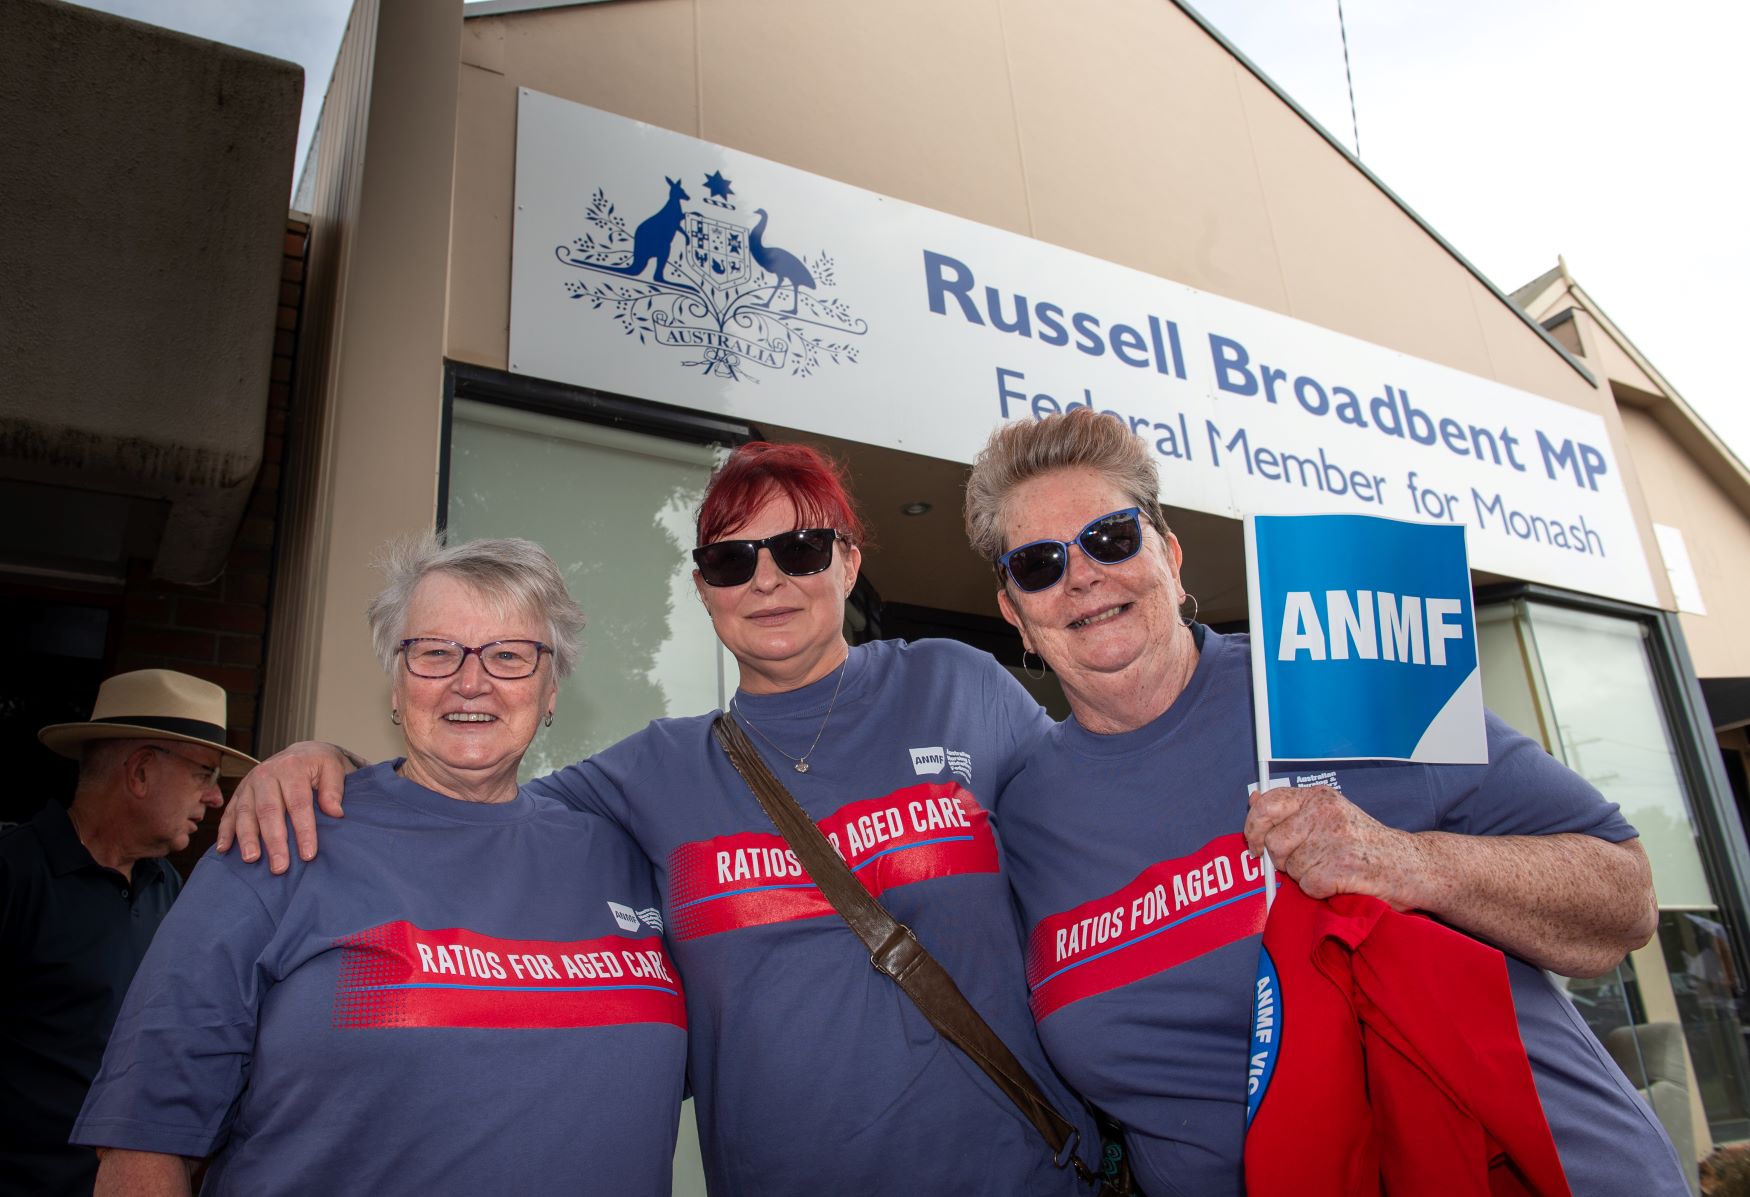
(630, 919)
(927, 762)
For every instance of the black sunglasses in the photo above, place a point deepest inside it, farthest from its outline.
(799, 552)
(1110, 539)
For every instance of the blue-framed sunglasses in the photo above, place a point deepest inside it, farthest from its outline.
(1039, 565)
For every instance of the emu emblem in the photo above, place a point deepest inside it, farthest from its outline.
(709, 286)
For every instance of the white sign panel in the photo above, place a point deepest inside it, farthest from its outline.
(651, 264)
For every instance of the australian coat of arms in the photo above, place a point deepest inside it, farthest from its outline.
(704, 282)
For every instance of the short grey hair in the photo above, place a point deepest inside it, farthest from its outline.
(99, 758)
(513, 574)
(1077, 439)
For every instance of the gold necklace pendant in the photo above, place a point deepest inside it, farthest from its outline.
(801, 762)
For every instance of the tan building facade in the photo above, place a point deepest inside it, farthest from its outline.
(1141, 140)
(1236, 194)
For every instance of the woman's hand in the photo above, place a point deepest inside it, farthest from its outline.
(1331, 846)
(280, 789)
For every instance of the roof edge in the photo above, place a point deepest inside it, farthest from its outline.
(483, 8)
(1393, 196)
(1672, 398)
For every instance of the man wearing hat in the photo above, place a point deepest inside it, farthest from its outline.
(83, 889)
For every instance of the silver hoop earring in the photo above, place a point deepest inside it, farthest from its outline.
(1027, 652)
(1190, 619)
(395, 716)
(548, 722)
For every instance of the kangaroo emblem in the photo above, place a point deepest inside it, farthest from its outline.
(715, 299)
(655, 234)
(780, 262)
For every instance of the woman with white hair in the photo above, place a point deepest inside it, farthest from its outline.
(459, 995)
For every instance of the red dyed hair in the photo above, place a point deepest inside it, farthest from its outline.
(757, 470)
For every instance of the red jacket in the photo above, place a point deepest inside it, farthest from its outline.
(1386, 1059)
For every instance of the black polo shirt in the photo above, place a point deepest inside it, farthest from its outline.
(71, 935)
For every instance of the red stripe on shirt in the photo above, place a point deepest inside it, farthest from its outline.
(399, 975)
(934, 829)
(1172, 912)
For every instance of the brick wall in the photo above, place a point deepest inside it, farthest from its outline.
(218, 631)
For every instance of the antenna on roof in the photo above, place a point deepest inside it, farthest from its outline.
(1354, 123)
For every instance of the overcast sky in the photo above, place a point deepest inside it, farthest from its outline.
(1608, 132)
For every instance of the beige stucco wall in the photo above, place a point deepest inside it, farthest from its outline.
(1689, 479)
(1137, 138)
(369, 386)
(1716, 531)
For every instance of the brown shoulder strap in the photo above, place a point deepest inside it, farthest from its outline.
(894, 950)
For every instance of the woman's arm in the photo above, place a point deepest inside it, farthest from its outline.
(142, 1174)
(290, 785)
(1571, 903)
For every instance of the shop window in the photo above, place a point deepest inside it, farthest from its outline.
(615, 509)
(609, 487)
(1586, 684)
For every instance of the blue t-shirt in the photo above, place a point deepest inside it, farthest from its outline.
(811, 1072)
(1145, 911)
(452, 997)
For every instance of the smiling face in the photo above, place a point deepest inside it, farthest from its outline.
(785, 632)
(1112, 632)
(467, 732)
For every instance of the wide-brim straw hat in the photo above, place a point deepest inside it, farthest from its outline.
(153, 704)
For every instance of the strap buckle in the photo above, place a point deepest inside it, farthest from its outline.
(1066, 1155)
(898, 954)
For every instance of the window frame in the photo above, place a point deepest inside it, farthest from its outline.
(1720, 833)
(500, 388)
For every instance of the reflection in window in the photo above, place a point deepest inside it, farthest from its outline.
(1583, 684)
(1609, 1002)
(615, 509)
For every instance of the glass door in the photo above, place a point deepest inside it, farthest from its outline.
(615, 510)
(1583, 683)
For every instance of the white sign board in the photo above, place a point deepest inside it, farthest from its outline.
(652, 264)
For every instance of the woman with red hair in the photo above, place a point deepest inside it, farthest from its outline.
(811, 1072)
